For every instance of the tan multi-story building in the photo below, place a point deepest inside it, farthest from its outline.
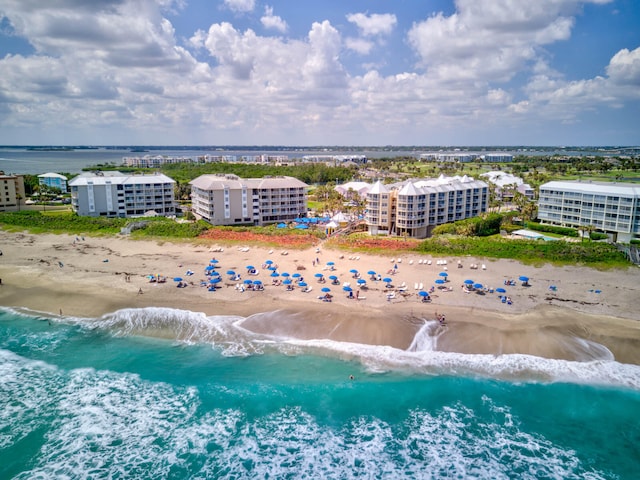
(224, 199)
(11, 192)
(415, 207)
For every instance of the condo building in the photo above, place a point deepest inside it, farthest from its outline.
(613, 208)
(114, 194)
(12, 192)
(53, 180)
(415, 207)
(226, 199)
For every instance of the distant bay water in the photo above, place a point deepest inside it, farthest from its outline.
(37, 160)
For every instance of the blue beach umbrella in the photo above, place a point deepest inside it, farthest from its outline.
(250, 267)
(371, 272)
(347, 289)
(331, 263)
(208, 268)
(257, 282)
(287, 282)
(248, 281)
(422, 293)
(230, 272)
(439, 281)
(275, 274)
(443, 274)
(268, 262)
(332, 277)
(213, 260)
(477, 285)
(468, 282)
(361, 281)
(318, 275)
(284, 274)
(296, 275)
(501, 290)
(214, 280)
(302, 284)
(177, 279)
(522, 278)
(215, 274)
(353, 270)
(387, 280)
(326, 289)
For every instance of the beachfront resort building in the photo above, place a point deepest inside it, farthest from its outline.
(226, 199)
(413, 208)
(53, 180)
(11, 192)
(114, 194)
(612, 208)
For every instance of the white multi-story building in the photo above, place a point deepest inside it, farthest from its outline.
(415, 207)
(114, 194)
(226, 199)
(12, 192)
(613, 208)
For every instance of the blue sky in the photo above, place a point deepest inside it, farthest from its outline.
(334, 72)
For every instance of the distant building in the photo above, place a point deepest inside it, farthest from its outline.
(413, 208)
(114, 194)
(613, 208)
(504, 185)
(229, 200)
(53, 180)
(11, 192)
(465, 157)
(350, 189)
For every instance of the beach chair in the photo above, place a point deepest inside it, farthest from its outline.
(420, 286)
(428, 262)
(415, 286)
(410, 262)
(484, 267)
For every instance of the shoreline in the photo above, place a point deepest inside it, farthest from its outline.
(90, 277)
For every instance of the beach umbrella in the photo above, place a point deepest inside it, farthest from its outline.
(332, 277)
(371, 272)
(331, 263)
(443, 274)
(230, 272)
(522, 278)
(213, 260)
(318, 275)
(257, 282)
(268, 262)
(353, 270)
(302, 284)
(214, 274)
(361, 281)
(501, 290)
(439, 281)
(468, 282)
(422, 293)
(250, 267)
(326, 289)
(248, 281)
(208, 268)
(284, 274)
(275, 274)
(387, 280)
(296, 275)
(214, 280)
(347, 289)
(287, 282)
(477, 285)
(177, 279)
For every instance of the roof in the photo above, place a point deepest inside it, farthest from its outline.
(118, 178)
(52, 175)
(219, 182)
(598, 188)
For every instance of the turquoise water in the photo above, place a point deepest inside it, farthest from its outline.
(158, 393)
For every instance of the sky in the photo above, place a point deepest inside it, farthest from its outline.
(325, 72)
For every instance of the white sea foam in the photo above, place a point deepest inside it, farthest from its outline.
(422, 357)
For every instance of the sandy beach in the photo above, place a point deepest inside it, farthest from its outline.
(561, 310)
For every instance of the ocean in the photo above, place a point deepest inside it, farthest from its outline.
(160, 393)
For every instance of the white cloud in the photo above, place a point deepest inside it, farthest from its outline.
(273, 22)
(360, 45)
(624, 67)
(374, 24)
(240, 5)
